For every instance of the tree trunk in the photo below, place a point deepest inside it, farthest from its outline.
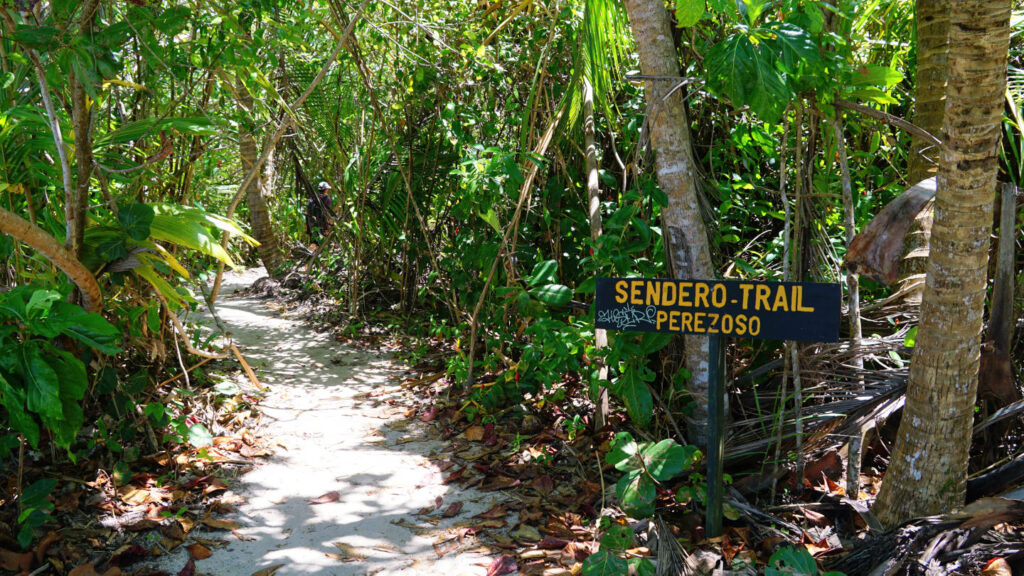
(928, 471)
(932, 20)
(23, 230)
(259, 217)
(686, 243)
(594, 212)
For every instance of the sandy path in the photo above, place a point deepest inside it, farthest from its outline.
(325, 405)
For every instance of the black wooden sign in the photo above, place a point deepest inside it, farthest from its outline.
(806, 312)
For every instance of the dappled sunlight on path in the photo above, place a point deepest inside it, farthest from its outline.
(334, 416)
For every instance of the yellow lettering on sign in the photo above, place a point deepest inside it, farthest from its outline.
(684, 294)
(687, 320)
(661, 317)
(761, 297)
(780, 300)
(698, 321)
(701, 295)
(718, 296)
(746, 288)
(798, 300)
(673, 320)
(634, 292)
(654, 293)
(668, 294)
(620, 292)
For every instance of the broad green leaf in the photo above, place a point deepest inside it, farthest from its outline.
(872, 94)
(13, 400)
(641, 567)
(199, 436)
(791, 561)
(35, 495)
(665, 460)
(875, 75)
(492, 219)
(633, 392)
(189, 234)
(617, 537)
(42, 387)
(624, 447)
(545, 272)
(636, 493)
(41, 301)
(747, 76)
(146, 271)
(689, 12)
(553, 294)
(93, 330)
(792, 45)
(604, 563)
(136, 220)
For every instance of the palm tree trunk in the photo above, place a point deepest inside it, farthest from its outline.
(686, 242)
(928, 471)
(259, 217)
(932, 20)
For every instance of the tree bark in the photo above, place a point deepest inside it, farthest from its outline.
(259, 217)
(932, 21)
(686, 242)
(594, 212)
(928, 471)
(24, 231)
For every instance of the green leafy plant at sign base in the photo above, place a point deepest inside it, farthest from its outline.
(34, 508)
(794, 561)
(646, 464)
(39, 382)
(615, 539)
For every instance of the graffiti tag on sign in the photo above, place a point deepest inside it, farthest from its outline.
(801, 311)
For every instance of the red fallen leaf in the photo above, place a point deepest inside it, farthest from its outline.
(198, 551)
(495, 512)
(502, 565)
(430, 414)
(475, 433)
(498, 483)
(189, 569)
(452, 510)
(325, 498)
(128, 555)
(444, 465)
(493, 523)
(16, 561)
(544, 484)
(44, 545)
(196, 482)
(437, 502)
(815, 518)
(552, 543)
(216, 486)
(454, 476)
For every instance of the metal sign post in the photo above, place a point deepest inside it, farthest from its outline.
(720, 309)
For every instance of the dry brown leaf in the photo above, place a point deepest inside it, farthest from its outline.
(475, 433)
(268, 571)
(325, 498)
(198, 551)
(219, 524)
(16, 561)
(452, 509)
(90, 570)
(351, 553)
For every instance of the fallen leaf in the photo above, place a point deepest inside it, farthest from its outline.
(430, 414)
(350, 553)
(452, 510)
(325, 498)
(552, 543)
(242, 537)
(527, 533)
(475, 433)
(495, 512)
(198, 551)
(16, 561)
(219, 524)
(189, 569)
(90, 570)
(128, 555)
(502, 565)
(44, 545)
(268, 571)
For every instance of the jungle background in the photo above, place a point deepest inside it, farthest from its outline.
(487, 161)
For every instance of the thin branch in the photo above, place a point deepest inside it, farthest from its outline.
(890, 119)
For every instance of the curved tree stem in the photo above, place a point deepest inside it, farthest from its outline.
(27, 232)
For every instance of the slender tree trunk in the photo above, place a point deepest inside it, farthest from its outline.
(928, 471)
(82, 118)
(594, 211)
(259, 217)
(686, 243)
